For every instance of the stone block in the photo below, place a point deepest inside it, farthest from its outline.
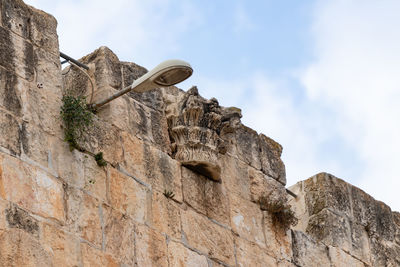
(360, 243)
(246, 220)
(31, 188)
(375, 215)
(235, 176)
(94, 178)
(119, 234)
(10, 134)
(83, 216)
(11, 88)
(16, 16)
(43, 31)
(94, 257)
(18, 248)
(152, 247)
(248, 146)
(340, 258)
(151, 166)
(326, 191)
(266, 191)
(128, 196)
(270, 155)
(331, 229)
(208, 237)
(250, 254)
(4, 205)
(307, 252)
(64, 246)
(278, 241)
(165, 215)
(18, 218)
(206, 196)
(179, 255)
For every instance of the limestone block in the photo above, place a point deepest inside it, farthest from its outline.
(31, 188)
(247, 220)
(18, 248)
(151, 166)
(307, 252)
(396, 219)
(340, 258)
(206, 196)
(178, 255)
(18, 218)
(94, 178)
(95, 257)
(10, 133)
(265, 191)
(11, 87)
(151, 249)
(331, 229)
(6, 49)
(43, 31)
(360, 242)
(235, 176)
(119, 234)
(250, 254)
(165, 215)
(83, 216)
(278, 241)
(103, 137)
(16, 17)
(326, 191)
(3, 221)
(384, 253)
(128, 196)
(65, 247)
(248, 146)
(270, 155)
(208, 237)
(375, 215)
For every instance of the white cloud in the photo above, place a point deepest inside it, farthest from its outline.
(356, 74)
(139, 31)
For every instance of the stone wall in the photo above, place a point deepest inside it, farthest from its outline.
(186, 183)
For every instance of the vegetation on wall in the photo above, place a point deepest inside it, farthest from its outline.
(282, 213)
(76, 117)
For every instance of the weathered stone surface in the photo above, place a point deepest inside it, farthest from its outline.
(331, 229)
(31, 188)
(265, 191)
(10, 91)
(307, 252)
(235, 176)
(250, 254)
(214, 240)
(247, 219)
(18, 248)
(151, 166)
(10, 133)
(128, 196)
(83, 216)
(165, 215)
(278, 241)
(151, 249)
(178, 255)
(119, 235)
(64, 247)
(18, 218)
(95, 257)
(270, 155)
(247, 146)
(340, 258)
(326, 191)
(16, 17)
(374, 215)
(205, 196)
(4, 205)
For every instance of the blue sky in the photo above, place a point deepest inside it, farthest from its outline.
(321, 77)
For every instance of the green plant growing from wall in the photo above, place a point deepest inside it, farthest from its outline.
(100, 160)
(169, 194)
(76, 117)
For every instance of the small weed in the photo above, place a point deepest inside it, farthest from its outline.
(76, 117)
(169, 194)
(92, 181)
(100, 160)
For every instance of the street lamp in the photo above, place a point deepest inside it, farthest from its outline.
(167, 73)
